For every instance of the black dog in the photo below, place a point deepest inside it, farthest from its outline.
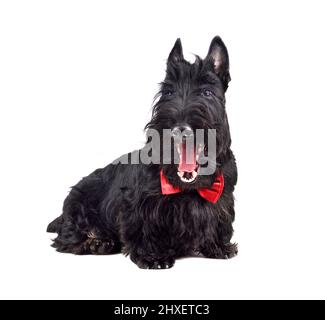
(157, 212)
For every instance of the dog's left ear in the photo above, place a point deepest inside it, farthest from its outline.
(218, 54)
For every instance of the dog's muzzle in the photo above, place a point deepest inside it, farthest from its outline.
(184, 140)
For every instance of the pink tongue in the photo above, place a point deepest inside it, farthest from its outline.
(188, 161)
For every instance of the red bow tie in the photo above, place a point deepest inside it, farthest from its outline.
(212, 195)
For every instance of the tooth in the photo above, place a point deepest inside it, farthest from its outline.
(180, 174)
(194, 174)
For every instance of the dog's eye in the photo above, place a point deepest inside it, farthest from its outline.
(168, 93)
(206, 93)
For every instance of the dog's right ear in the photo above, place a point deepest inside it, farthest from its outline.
(176, 54)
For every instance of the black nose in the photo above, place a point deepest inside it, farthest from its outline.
(182, 131)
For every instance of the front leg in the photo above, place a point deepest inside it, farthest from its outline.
(145, 236)
(216, 243)
(147, 246)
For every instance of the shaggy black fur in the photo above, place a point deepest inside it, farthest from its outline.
(121, 207)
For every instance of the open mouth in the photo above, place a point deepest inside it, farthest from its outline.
(188, 162)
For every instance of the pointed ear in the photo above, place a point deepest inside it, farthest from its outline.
(218, 54)
(176, 54)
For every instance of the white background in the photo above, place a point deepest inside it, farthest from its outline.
(74, 75)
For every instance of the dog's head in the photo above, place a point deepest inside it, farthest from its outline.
(190, 116)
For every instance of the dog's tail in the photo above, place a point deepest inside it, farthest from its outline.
(55, 225)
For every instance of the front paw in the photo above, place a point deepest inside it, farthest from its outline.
(230, 250)
(226, 251)
(153, 262)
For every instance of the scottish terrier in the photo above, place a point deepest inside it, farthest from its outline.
(173, 198)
